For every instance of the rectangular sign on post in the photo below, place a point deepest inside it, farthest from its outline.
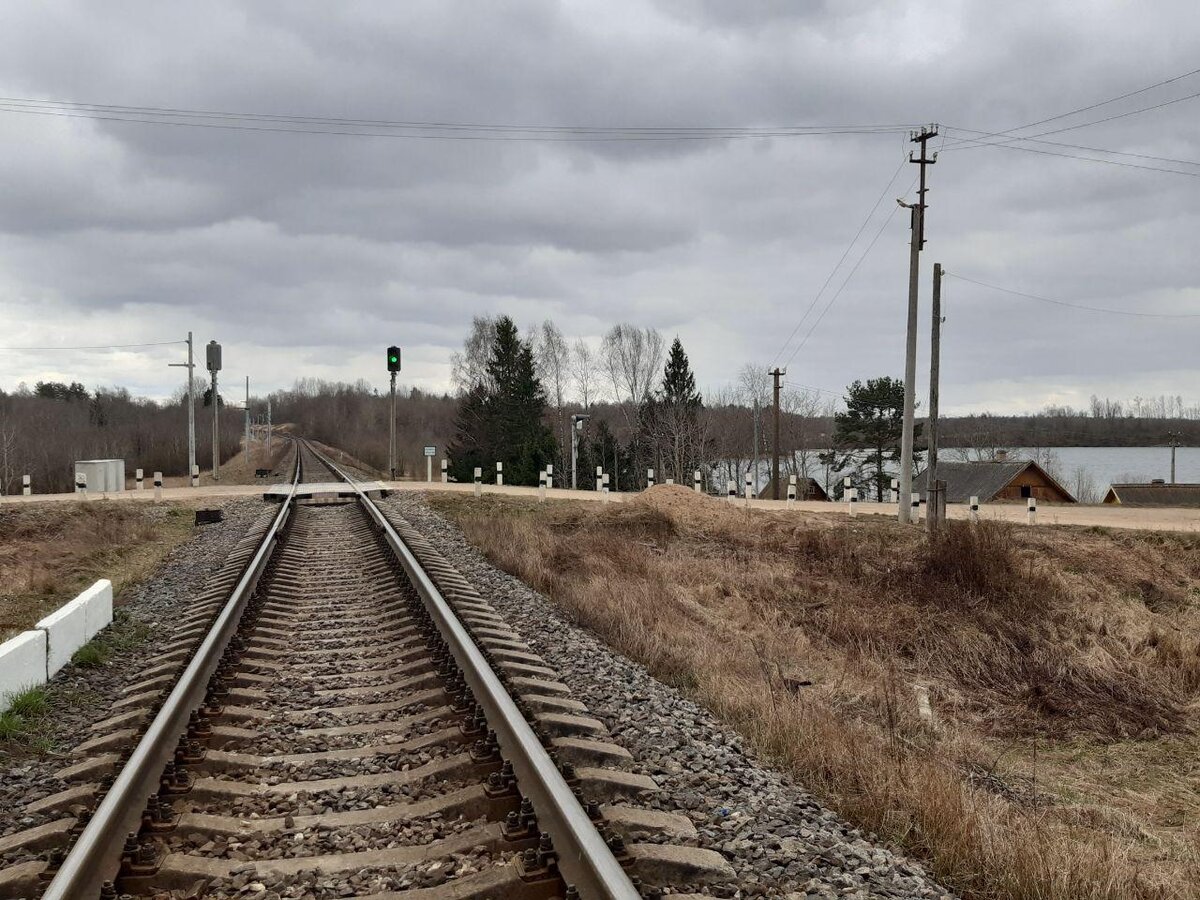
(431, 451)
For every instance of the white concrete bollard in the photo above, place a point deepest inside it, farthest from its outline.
(791, 498)
(499, 474)
(195, 476)
(604, 486)
(478, 481)
(158, 485)
(974, 508)
(81, 484)
(541, 487)
(696, 481)
(670, 481)
(649, 478)
(749, 488)
(895, 491)
(854, 501)
(26, 490)
(1032, 511)
(916, 508)
(445, 471)
(549, 475)
(139, 480)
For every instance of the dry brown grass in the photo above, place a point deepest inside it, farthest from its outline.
(49, 552)
(1062, 665)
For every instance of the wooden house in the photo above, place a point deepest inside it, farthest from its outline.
(1156, 493)
(995, 481)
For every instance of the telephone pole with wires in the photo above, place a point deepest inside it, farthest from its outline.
(776, 373)
(921, 137)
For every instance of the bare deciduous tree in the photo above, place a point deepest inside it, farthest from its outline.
(632, 356)
(470, 367)
(585, 372)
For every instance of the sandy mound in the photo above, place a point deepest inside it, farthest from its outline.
(684, 505)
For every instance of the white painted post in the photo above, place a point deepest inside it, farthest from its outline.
(649, 478)
(542, 487)
(478, 481)
(846, 494)
(158, 486)
(916, 508)
(732, 490)
(895, 491)
(138, 479)
(195, 476)
(1032, 511)
(549, 475)
(696, 481)
(854, 501)
(604, 485)
(81, 484)
(974, 508)
(791, 497)
(749, 488)
(445, 471)
(26, 490)
(670, 481)
(499, 474)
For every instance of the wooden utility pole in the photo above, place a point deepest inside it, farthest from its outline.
(1174, 442)
(933, 488)
(910, 351)
(776, 373)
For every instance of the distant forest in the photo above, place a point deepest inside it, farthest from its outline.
(45, 428)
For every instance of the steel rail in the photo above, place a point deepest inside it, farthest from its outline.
(583, 857)
(95, 856)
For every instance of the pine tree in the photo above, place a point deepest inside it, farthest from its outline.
(866, 437)
(500, 418)
(669, 420)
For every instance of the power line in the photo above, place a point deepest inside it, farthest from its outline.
(413, 130)
(1107, 162)
(1114, 312)
(1167, 159)
(841, 260)
(1092, 106)
(97, 346)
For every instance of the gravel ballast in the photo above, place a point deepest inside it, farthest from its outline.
(779, 840)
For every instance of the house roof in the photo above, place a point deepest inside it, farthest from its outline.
(815, 491)
(1154, 494)
(983, 479)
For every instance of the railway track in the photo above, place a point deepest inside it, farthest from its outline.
(345, 716)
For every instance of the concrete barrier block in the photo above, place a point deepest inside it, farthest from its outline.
(22, 664)
(98, 602)
(65, 633)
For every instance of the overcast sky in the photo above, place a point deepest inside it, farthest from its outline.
(306, 254)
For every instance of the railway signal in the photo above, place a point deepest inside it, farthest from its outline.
(213, 358)
(393, 366)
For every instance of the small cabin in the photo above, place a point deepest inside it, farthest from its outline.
(806, 489)
(1156, 493)
(995, 481)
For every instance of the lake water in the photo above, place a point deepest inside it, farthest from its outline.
(1106, 465)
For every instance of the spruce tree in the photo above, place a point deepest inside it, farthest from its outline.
(500, 418)
(866, 437)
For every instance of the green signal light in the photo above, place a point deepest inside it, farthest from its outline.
(393, 359)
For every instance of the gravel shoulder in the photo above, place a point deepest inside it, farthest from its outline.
(780, 841)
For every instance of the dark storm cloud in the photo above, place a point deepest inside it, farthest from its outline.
(303, 252)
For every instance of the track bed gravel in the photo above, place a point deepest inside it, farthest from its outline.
(82, 696)
(780, 841)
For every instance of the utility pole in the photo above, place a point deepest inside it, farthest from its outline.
(910, 353)
(191, 398)
(1174, 437)
(249, 462)
(776, 373)
(755, 454)
(936, 505)
(577, 420)
(268, 431)
(214, 366)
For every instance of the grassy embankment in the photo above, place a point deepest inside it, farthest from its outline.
(49, 552)
(1062, 667)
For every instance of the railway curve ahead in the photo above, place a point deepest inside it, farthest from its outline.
(352, 719)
